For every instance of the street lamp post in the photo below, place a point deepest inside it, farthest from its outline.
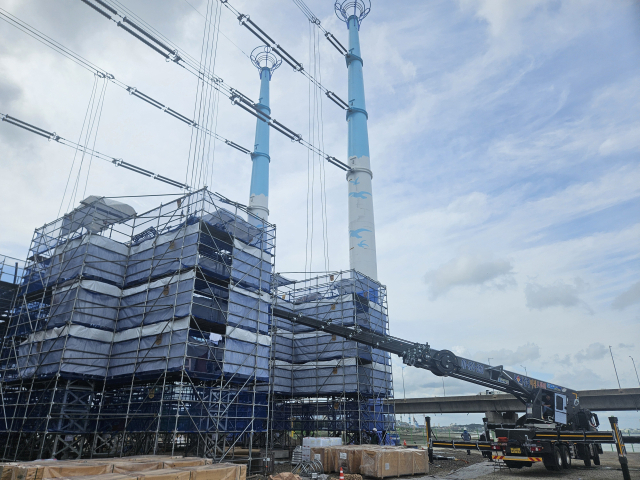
(634, 367)
(525, 370)
(614, 367)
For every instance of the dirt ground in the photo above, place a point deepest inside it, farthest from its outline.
(609, 469)
(475, 466)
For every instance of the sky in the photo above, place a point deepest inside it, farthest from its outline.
(504, 141)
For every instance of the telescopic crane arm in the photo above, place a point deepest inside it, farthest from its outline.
(439, 362)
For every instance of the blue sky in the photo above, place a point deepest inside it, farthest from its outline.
(505, 144)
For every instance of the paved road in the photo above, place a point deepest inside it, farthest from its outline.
(608, 470)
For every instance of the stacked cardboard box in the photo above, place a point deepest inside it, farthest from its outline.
(372, 460)
(133, 468)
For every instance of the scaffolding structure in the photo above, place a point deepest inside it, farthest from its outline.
(323, 384)
(11, 271)
(141, 334)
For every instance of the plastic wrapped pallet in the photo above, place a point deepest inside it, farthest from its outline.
(5, 470)
(144, 466)
(38, 471)
(323, 455)
(184, 462)
(218, 471)
(105, 476)
(379, 463)
(165, 474)
(349, 457)
(420, 462)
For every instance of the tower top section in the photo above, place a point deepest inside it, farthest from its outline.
(264, 57)
(346, 9)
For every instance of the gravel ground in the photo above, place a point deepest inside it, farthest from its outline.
(475, 466)
(609, 469)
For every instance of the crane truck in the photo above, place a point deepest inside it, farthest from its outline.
(554, 429)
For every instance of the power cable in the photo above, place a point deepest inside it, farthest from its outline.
(221, 33)
(86, 115)
(316, 21)
(118, 162)
(315, 173)
(95, 136)
(245, 21)
(182, 59)
(206, 100)
(322, 173)
(95, 107)
(86, 64)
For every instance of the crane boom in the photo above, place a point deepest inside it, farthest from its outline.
(439, 362)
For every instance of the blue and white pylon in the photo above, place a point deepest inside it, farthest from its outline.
(266, 61)
(362, 234)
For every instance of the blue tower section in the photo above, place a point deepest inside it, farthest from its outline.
(266, 61)
(362, 237)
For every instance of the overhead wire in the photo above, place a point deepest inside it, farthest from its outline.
(308, 247)
(321, 165)
(95, 136)
(86, 116)
(206, 99)
(91, 67)
(315, 173)
(245, 21)
(221, 32)
(172, 53)
(91, 132)
(316, 21)
(118, 162)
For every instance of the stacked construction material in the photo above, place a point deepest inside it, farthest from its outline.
(130, 468)
(372, 460)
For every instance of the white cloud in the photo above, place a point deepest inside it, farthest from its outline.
(559, 294)
(627, 298)
(468, 270)
(504, 356)
(595, 351)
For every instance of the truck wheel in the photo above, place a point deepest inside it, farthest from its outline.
(553, 461)
(587, 459)
(566, 457)
(596, 457)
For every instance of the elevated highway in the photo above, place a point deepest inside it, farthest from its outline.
(609, 400)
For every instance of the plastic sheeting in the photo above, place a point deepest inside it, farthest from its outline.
(86, 352)
(331, 377)
(307, 347)
(88, 303)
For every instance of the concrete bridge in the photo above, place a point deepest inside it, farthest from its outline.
(610, 400)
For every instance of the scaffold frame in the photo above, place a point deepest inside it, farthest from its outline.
(141, 333)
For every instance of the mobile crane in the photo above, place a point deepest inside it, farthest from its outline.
(554, 429)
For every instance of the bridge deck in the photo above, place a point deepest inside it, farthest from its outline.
(595, 400)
